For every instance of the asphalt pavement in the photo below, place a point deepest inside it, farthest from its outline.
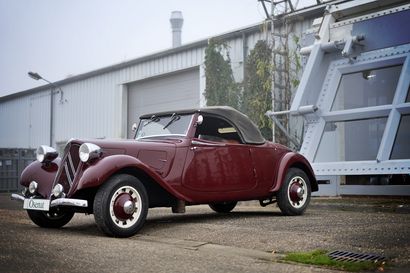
(249, 239)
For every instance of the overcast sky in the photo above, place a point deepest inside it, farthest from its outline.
(58, 38)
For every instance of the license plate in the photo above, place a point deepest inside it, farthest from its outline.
(37, 204)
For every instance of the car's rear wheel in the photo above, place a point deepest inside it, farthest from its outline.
(294, 195)
(223, 207)
(54, 218)
(121, 206)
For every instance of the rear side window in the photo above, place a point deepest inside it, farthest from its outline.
(217, 129)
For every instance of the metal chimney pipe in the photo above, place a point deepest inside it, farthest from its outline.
(176, 24)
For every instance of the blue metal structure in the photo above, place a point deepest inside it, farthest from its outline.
(356, 84)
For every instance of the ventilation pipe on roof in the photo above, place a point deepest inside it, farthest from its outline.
(176, 24)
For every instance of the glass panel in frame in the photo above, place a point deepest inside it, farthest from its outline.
(367, 88)
(401, 147)
(353, 140)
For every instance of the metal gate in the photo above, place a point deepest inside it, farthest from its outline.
(12, 163)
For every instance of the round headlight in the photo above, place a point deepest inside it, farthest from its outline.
(46, 154)
(89, 151)
(57, 190)
(32, 188)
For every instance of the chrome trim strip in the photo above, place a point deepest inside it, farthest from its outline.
(70, 160)
(200, 143)
(69, 202)
(67, 173)
(17, 197)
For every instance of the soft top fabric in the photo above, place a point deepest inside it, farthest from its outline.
(245, 127)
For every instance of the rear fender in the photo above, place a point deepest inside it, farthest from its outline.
(42, 173)
(294, 160)
(98, 172)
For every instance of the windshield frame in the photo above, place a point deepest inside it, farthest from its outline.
(168, 118)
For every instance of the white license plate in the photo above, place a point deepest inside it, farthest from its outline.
(37, 204)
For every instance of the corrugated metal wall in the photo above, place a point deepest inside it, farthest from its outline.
(165, 93)
(93, 107)
(25, 121)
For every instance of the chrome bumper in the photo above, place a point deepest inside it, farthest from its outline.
(57, 202)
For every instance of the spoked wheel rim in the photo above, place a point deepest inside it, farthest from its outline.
(125, 207)
(297, 192)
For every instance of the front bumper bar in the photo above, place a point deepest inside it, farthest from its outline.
(57, 202)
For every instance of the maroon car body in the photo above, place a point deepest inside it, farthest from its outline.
(213, 155)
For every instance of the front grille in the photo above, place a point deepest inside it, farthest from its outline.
(69, 166)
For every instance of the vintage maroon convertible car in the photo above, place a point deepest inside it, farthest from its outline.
(214, 156)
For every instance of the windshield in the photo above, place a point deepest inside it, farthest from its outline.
(174, 125)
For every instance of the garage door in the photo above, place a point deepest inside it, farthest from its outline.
(176, 91)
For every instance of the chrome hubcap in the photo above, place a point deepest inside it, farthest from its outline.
(300, 192)
(129, 207)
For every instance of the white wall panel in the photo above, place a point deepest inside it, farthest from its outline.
(39, 120)
(24, 121)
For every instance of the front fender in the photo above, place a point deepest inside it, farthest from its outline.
(97, 173)
(42, 173)
(296, 160)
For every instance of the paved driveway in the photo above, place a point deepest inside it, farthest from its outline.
(250, 239)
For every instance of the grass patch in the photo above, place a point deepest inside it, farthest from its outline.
(319, 257)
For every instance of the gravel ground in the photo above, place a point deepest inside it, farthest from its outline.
(250, 239)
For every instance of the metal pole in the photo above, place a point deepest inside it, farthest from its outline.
(53, 87)
(51, 115)
(272, 29)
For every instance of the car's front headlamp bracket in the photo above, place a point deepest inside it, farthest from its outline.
(88, 152)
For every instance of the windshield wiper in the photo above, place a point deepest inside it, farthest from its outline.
(174, 118)
(153, 118)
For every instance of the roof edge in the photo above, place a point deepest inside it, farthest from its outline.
(308, 11)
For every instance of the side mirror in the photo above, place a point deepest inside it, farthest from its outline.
(199, 120)
(134, 127)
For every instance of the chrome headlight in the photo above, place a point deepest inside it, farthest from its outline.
(89, 151)
(57, 190)
(46, 154)
(32, 188)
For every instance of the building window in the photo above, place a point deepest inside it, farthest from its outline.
(352, 140)
(401, 147)
(408, 95)
(367, 88)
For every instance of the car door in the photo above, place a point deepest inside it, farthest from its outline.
(217, 161)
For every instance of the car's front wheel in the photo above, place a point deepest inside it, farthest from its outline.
(223, 207)
(55, 218)
(121, 206)
(294, 195)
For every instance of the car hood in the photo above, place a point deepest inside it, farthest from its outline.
(125, 146)
(156, 153)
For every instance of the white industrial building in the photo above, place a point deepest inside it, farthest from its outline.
(104, 103)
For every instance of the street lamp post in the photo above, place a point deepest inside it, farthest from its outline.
(37, 77)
